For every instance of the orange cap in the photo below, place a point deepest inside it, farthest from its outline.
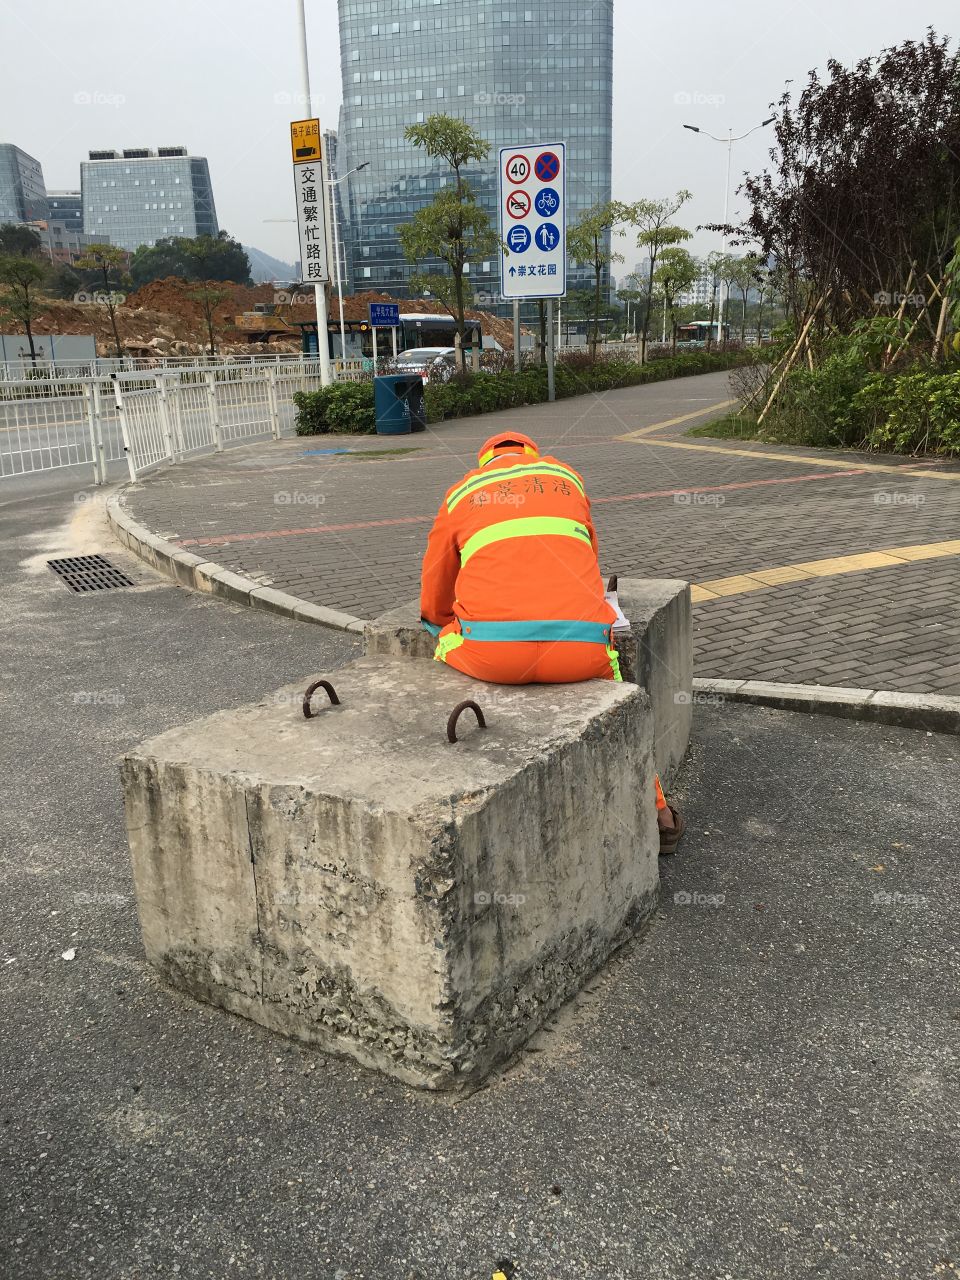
(507, 442)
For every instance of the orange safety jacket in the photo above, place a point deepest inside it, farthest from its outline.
(511, 579)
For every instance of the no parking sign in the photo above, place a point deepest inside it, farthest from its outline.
(533, 221)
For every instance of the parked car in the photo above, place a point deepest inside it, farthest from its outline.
(434, 364)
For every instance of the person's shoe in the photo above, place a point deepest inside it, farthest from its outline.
(670, 838)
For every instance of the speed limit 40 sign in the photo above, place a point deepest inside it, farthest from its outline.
(533, 226)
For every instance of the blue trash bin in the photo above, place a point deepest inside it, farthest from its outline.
(398, 404)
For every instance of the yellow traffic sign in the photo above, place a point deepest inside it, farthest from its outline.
(305, 140)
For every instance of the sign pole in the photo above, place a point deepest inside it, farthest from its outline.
(393, 334)
(374, 332)
(516, 335)
(319, 288)
(551, 380)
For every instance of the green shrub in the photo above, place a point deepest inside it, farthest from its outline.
(345, 408)
(915, 412)
(348, 406)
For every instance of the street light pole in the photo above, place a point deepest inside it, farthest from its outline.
(319, 290)
(729, 140)
(335, 182)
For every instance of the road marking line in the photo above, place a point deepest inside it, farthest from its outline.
(675, 422)
(799, 460)
(759, 579)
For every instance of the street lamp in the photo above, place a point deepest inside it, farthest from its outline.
(335, 182)
(729, 140)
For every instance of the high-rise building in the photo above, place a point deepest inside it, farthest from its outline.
(23, 196)
(140, 196)
(66, 207)
(518, 72)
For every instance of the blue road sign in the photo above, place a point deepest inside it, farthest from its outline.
(547, 202)
(518, 239)
(548, 236)
(384, 315)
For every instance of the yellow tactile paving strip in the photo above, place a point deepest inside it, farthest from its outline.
(797, 459)
(758, 579)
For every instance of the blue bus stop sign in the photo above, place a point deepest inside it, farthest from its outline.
(384, 315)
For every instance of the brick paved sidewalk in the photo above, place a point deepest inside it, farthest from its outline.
(348, 530)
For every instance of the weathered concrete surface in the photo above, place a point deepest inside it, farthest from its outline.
(657, 653)
(360, 884)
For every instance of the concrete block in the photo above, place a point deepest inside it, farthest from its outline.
(324, 617)
(209, 576)
(825, 699)
(656, 653)
(358, 883)
(937, 713)
(398, 634)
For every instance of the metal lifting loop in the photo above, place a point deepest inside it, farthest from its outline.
(319, 684)
(457, 712)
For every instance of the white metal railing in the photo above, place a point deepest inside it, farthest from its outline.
(148, 416)
(104, 366)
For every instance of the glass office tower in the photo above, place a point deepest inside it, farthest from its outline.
(23, 196)
(141, 196)
(520, 72)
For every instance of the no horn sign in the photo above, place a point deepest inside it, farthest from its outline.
(533, 221)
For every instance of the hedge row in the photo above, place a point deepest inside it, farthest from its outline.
(347, 407)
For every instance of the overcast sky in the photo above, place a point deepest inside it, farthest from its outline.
(217, 77)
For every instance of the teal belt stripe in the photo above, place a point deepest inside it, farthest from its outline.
(540, 631)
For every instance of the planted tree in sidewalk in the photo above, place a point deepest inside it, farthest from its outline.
(590, 241)
(656, 231)
(107, 263)
(676, 273)
(453, 228)
(21, 280)
(209, 296)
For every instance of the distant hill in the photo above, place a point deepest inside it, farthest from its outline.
(264, 267)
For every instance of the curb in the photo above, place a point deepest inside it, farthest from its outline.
(208, 576)
(937, 713)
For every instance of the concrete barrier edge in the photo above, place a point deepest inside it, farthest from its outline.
(194, 571)
(935, 713)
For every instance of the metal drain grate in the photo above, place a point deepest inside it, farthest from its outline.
(89, 573)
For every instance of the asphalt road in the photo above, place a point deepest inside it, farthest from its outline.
(764, 1085)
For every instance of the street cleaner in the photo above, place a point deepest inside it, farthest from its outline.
(511, 581)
